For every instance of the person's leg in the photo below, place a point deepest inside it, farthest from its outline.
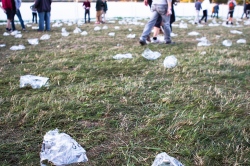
(41, 20)
(85, 14)
(36, 17)
(148, 27)
(88, 16)
(13, 27)
(47, 21)
(205, 15)
(167, 30)
(97, 16)
(33, 17)
(19, 16)
(196, 17)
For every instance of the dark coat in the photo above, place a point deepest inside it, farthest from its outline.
(43, 5)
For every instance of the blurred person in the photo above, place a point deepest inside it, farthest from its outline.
(34, 13)
(19, 16)
(198, 7)
(9, 8)
(99, 9)
(105, 9)
(245, 10)
(205, 5)
(43, 8)
(86, 5)
(215, 11)
(159, 8)
(231, 6)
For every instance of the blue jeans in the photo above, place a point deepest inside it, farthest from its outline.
(85, 15)
(44, 16)
(19, 16)
(158, 10)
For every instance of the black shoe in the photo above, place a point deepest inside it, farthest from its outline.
(142, 42)
(199, 21)
(170, 42)
(232, 23)
(227, 22)
(148, 38)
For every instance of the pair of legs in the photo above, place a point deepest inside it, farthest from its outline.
(230, 18)
(34, 17)
(196, 19)
(215, 14)
(99, 16)
(44, 16)
(19, 16)
(10, 17)
(204, 16)
(85, 15)
(157, 10)
(103, 16)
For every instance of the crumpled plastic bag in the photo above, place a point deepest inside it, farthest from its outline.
(241, 41)
(163, 159)
(105, 27)
(84, 33)
(61, 149)
(131, 36)
(112, 34)
(77, 30)
(150, 55)
(117, 27)
(204, 43)
(35, 27)
(227, 43)
(6, 34)
(34, 81)
(97, 28)
(19, 47)
(57, 24)
(45, 37)
(173, 34)
(170, 61)
(33, 41)
(236, 32)
(123, 56)
(193, 33)
(2, 45)
(18, 35)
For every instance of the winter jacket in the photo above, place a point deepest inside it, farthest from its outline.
(43, 5)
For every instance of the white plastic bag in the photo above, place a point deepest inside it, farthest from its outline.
(241, 41)
(19, 47)
(97, 28)
(33, 41)
(131, 36)
(34, 81)
(150, 55)
(163, 159)
(77, 30)
(112, 34)
(61, 149)
(123, 56)
(84, 33)
(227, 43)
(45, 37)
(170, 61)
(193, 33)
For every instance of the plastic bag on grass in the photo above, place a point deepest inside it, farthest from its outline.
(45, 37)
(123, 56)
(150, 55)
(61, 149)
(34, 81)
(33, 41)
(241, 41)
(227, 43)
(163, 159)
(19, 47)
(170, 61)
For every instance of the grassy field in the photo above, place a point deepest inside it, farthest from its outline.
(125, 112)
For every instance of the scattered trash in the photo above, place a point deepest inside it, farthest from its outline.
(150, 55)
(117, 27)
(193, 33)
(213, 24)
(105, 27)
(45, 37)
(15, 33)
(61, 149)
(129, 30)
(204, 43)
(183, 25)
(57, 24)
(227, 43)
(163, 159)
(2, 45)
(131, 36)
(112, 34)
(33, 41)
(64, 32)
(97, 28)
(34, 81)
(35, 27)
(84, 33)
(77, 30)
(236, 32)
(18, 35)
(203, 52)
(170, 61)
(19, 47)
(202, 39)
(217, 36)
(173, 34)
(123, 56)
(28, 25)
(241, 41)
(6, 34)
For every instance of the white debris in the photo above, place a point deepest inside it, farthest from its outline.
(18, 35)
(173, 34)
(123, 56)
(170, 61)
(150, 55)
(77, 30)
(35, 27)
(105, 27)
(97, 28)
(241, 41)
(33, 41)
(6, 34)
(193, 33)
(111, 34)
(227, 43)
(236, 32)
(19, 47)
(163, 159)
(45, 37)
(131, 36)
(117, 27)
(2, 45)
(34, 81)
(84, 33)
